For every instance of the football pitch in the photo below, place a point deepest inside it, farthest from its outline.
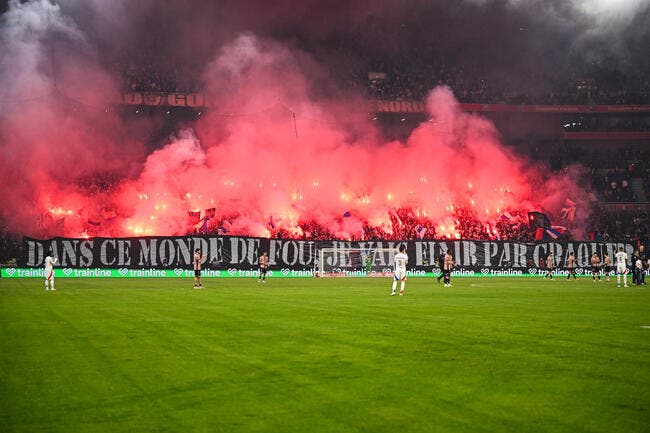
(324, 355)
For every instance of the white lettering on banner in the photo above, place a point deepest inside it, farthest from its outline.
(556, 249)
(124, 252)
(491, 250)
(68, 256)
(505, 259)
(422, 252)
(583, 256)
(293, 258)
(184, 249)
(519, 255)
(457, 256)
(31, 273)
(306, 251)
(505, 272)
(103, 252)
(469, 258)
(215, 255)
(166, 252)
(539, 251)
(243, 250)
(86, 250)
(275, 246)
(569, 250)
(97, 272)
(339, 258)
(201, 244)
(147, 273)
(463, 272)
(35, 253)
(148, 252)
(240, 253)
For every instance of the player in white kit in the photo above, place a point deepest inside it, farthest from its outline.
(621, 266)
(49, 273)
(401, 259)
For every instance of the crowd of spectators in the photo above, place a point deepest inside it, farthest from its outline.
(405, 224)
(607, 123)
(602, 225)
(613, 175)
(10, 248)
(628, 226)
(98, 183)
(610, 171)
(615, 185)
(412, 77)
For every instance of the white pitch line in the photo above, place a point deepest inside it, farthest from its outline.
(645, 326)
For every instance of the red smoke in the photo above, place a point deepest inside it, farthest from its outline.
(269, 155)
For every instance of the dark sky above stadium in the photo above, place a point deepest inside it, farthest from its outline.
(517, 41)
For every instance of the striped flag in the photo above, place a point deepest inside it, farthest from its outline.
(552, 233)
(204, 226)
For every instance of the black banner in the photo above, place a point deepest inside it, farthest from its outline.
(242, 253)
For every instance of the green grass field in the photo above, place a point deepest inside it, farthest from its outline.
(324, 355)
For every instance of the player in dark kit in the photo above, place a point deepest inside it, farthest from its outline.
(607, 269)
(264, 266)
(197, 269)
(595, 267)
(448, 267)
(441, 265)
(571, 266)
(549, 266)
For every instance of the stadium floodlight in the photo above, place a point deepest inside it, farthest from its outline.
(354, 262)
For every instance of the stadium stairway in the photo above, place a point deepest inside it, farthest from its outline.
(637, 188)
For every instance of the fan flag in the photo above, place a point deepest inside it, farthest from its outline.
(204, 226)
(225, 227)
(193, 217)
(569, 210)
(538, 220)
(552, 233)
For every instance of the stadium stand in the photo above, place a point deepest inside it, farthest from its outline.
(615, 172)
